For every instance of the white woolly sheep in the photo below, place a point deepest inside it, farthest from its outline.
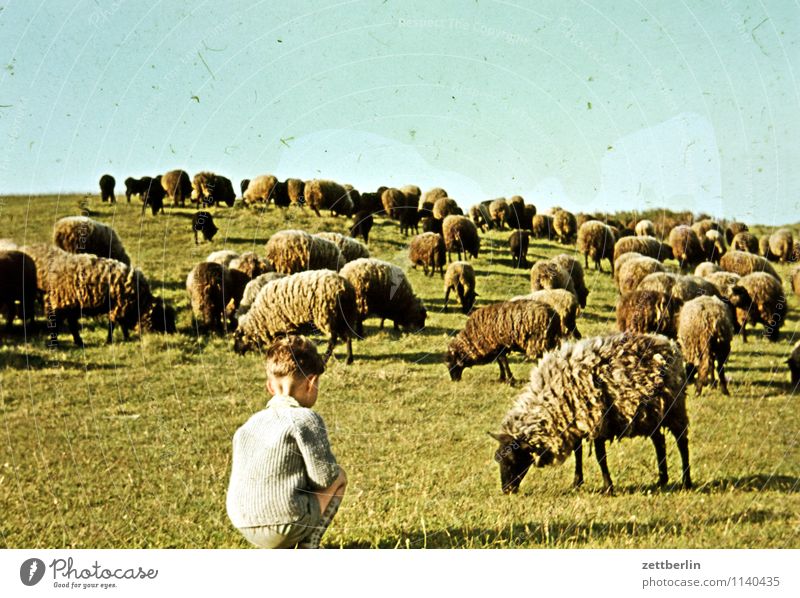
(596, 241)
(460, 277)
(705, 332)
(79, 234)
(351, 248)
(291, 251)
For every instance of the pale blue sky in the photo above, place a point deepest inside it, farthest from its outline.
(603, 105)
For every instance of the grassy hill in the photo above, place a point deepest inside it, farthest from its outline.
(129, 445)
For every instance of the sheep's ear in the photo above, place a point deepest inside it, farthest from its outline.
(501, 437)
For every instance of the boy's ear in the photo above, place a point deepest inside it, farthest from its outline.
(271, 385)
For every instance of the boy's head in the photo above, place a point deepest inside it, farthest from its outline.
(293, 368)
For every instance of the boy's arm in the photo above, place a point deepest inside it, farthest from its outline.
(312, 440)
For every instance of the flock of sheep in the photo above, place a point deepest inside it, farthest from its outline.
(675, 324)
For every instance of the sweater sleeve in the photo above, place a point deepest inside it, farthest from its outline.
(312, 440)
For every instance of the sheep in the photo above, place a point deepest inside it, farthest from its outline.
(565, 227)
(290, 251)
(575, 270)
(705, 332)
(444, 207)
(713, 245)
(649, 246)
(280, 194)
(600, 388)
(432, 195)
(763, 249)
(252, 289)
(768, 304)
(321, 194)
(409, 218)
(733, 229)
(518, 243)
(643, 311)
(724, 282)
(107, 184)
(243, 185)
(528, 214)
(153, 195)
(178, 186)
(224, 257)
(781, 244)
(250, 264)
(295, 188)
(542, 226)
(645, 228)
(516, 212)
(393, 200)
(794, 280)
(596, 240)
(681, 287)
(371, 201)
(431, 225)
(79, 234)
(498, 212)
(745, 241)
(701, 227)
(350, 248)
(705, 268)
(17, 283)
(460, 235)
(686, 246)
(427, 250)
(547, 274)
(460, 277)
(314, 300)
(633, 271)
(76, 285)
(743, 263)
(564, 303)
(412, 193)
(260, 190)
(212, 189)
(528, 326)
(362, 224)
(215, 293)
(479, 214)
(625, 257)
(203, 222)
(136, 187)
(382, 290)
(794, 364)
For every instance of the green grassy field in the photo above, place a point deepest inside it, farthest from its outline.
(128, 445)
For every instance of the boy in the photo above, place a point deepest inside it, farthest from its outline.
(285, 483)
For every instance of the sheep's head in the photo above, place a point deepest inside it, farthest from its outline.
(455, 364)
(161, 317)
(241, 343)
(515, 457)
(415, 318)
(468, 301)
(739, 297)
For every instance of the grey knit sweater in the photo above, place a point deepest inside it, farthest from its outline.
(280, 456)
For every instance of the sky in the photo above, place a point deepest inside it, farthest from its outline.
(586, 105)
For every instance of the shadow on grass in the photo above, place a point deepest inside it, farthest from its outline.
(415, 357)
(33, 361)
(753, 483)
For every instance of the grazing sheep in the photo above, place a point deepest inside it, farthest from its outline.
(564, 303)
(528, 214)
(705, 268)
(328, 195)
(382, 290)
(516, 213)
(76, 285)
(393, 200)
(745, 241)
(542, 226)
(724, 282)
(645, 228)
(518, 243)
(681, 287)
(243, 185)
(362, 224)
(224, 257)
(260, 190)
(153, 195)
(460, 277)
(350, 248)
(633, 271)
(625, 257)
(498, 212)
(252, 289)
(412, 193)
(575, 270)
(427, 250)
(713, 245)
(705, 332)
(444, 207)
(299, 304)
(280, 194)
(596, 240)
(136, 187)
(547, 274)
(460, 235)
(794, 280)
(649, 246)
(645, 311)
(431, 225)
(601, 388)
(215, 293)
(686, 247)
(565, 227)
(295, 188)
(291, 251)
(212, 189)
(768, 304)
(734, 228)
(178, 186)
(781, 244)
(794, 364)
(107, 184)
(203, 222)
(432, 195)
(743, 263)
(17, 283)
(528, 326)
(701, 227)
(371, 201)
(763, 249)
(409, 218)
(250, 264)
(79, 234)
(479, 214)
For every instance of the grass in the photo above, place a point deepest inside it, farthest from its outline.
(128, 445)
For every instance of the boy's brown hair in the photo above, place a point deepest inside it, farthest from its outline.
(294, 355)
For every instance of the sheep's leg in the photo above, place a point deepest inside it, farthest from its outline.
(195, 237)
(74, 328)
(349, 351)
(331, 345)
(110, 337)
(578, 480)
(661, 456)
(502, 370)
(446, 296)
(10, 314)
(722, 357)
(586, 261)
(681, 437)
(600, 453)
